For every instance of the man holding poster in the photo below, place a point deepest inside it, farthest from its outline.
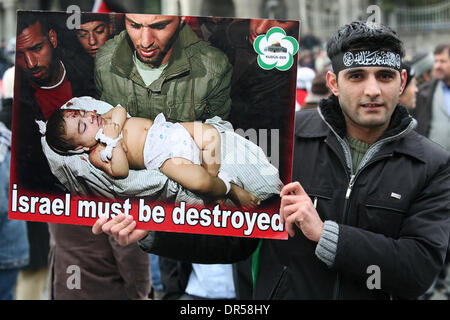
(368, 218)
(158, 65)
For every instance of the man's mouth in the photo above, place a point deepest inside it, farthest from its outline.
(37, 73)
(145, 53)
(372, 105)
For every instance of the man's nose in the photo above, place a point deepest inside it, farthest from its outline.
(372, 88)
(30, 60)
(92, 39)
(147, 37)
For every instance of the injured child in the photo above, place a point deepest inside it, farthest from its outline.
(189, 153)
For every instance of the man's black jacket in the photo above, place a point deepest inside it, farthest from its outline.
(396, 217)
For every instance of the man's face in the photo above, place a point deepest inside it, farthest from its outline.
(442, 66)
(92, 35)
(367, 95)
(408, 97)
(34, 54)
(82, 127)
(259, 26)
(152, 36)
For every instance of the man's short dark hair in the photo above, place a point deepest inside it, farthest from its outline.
(441, 48)
(90, 17)
(27, 20)
(362, 35)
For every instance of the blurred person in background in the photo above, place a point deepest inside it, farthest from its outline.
(433, 116)
(14, 247)
(408, 96)
(433, 100)
(422, 63)
(94, 31)
(319, 90)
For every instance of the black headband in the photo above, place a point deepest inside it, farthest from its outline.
(366, 58)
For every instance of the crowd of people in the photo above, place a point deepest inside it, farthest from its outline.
(361, 143)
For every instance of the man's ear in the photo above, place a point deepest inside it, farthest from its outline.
(332, 83)
(403, 78)
(52, 37)
(182, 20)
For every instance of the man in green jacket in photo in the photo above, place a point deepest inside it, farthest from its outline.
(158, 64)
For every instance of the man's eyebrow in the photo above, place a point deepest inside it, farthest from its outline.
(101, 25)
(35, 46)
(354, 70)
(152, 25)
(388, 70)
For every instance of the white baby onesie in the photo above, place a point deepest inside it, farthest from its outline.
(166, 140)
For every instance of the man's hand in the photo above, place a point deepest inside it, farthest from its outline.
(121, 227)
(297, 207)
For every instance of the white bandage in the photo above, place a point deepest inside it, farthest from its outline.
(222, 175)
(111, 143)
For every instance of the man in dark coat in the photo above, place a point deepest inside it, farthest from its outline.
(368, 217)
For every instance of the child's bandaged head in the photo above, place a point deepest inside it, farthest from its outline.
(87, 104)
(55, 128)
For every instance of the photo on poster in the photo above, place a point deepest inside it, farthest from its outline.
(186, 123)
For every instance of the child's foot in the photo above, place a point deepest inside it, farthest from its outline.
(243, 198)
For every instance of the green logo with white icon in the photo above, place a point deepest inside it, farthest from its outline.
(275, 49)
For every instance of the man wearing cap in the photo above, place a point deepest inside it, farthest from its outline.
(408, 96)
(367, 215)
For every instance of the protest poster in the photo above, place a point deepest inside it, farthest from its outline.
(233, 77)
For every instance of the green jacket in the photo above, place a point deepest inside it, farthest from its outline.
(195, 85)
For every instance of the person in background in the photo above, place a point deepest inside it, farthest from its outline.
(14, 247)
(408, 96)
(423, 64)
(319, 90)
(94, 31)
(433, 100)
(433, 115)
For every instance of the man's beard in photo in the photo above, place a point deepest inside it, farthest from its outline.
(51, 71)
(158, 60)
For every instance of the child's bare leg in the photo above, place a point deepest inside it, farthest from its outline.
(242, 197)
(193, 177)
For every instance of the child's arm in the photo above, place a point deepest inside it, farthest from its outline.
(117, 115)
(193, 177)
(118, 165)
